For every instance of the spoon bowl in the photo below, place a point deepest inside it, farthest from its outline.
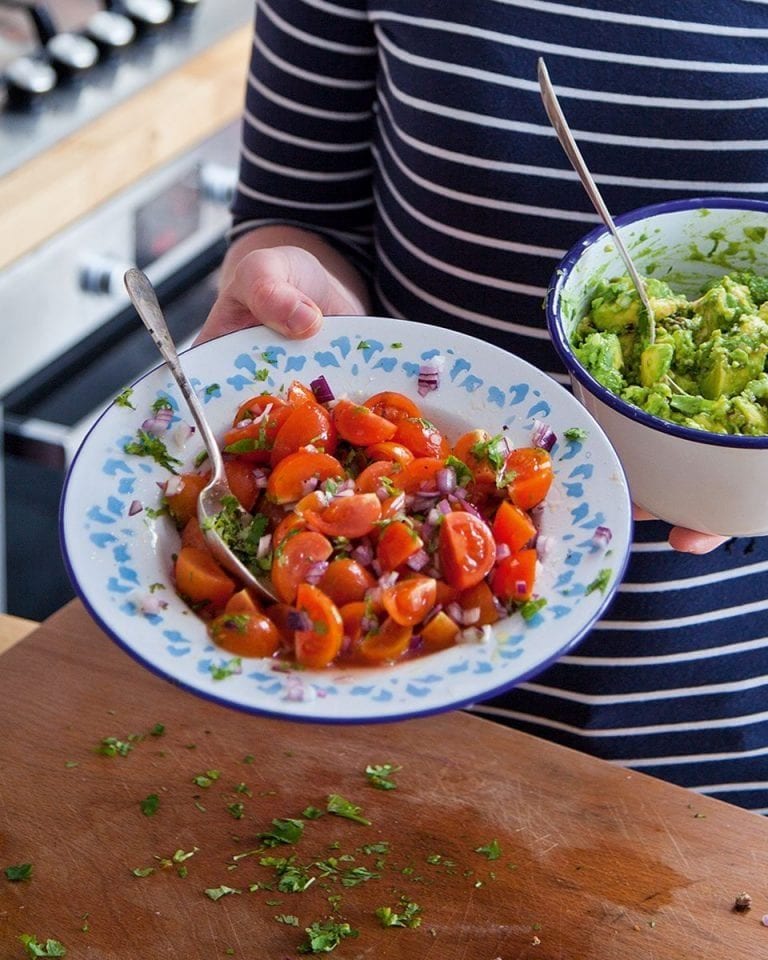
(216, 497)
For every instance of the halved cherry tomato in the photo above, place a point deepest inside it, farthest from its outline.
(242, 482)
(346, 581)
(200, 579)
(392, 406)
(480, 598)
(420, 475)
(421, 437)
(409, 601)
(306, 424)
(514, 577)
(483, 471)
(360, 425)
(387, 642)
(512, 526)
(466, 548)
(289, 480)
(319, 645)
(291, 521)
(192, 535)
(528, 474)
(375, 476)
(294, 557)
(246, 634)
(298, 393)
(252, 408)
(253, 439)
(389, 450)
(352, 517)
(182, 503)
(396, 543)
(439, 633)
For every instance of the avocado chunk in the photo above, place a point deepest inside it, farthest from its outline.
(655, 362)
(601, 355)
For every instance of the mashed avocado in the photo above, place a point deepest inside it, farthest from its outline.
(707, 365)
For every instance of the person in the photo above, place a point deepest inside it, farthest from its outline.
(397, 159)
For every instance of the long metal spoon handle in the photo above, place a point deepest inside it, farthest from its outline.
(568, 143)
(145, 301)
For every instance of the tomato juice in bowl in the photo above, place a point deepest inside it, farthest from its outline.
(703, 479)
(121, 548)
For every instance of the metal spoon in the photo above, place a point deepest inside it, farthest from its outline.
(568, 143)
(209, 504)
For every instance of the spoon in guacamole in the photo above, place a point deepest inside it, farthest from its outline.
(569, 145)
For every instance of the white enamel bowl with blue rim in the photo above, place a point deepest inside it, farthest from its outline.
(117, 557)
(693, 478)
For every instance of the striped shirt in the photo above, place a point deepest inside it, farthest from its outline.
(411, 134)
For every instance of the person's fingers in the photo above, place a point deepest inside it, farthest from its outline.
(691, 541)
(285, 288)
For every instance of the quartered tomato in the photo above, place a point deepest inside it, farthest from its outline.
(320, 644)
(290, 480)
(512, 526)
(421, 437)
(346, 581)
(352, 517)
(252, 439)
(244, 630)
(294, 557)
(528, 476)
(397, 542)
(306, 424)
(514, 577)
(393, 406)
(409, 601)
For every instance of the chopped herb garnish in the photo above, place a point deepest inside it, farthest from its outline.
(364, 345)
(220, 671)
(464, 475)
(112, 747)
(356, 875)
(396, 346)
(284, 830)
(261, 375)
(147, 445)
(311, 813)
(142, 871)
(575, 433)
(124, 399)
(343, 808)
(158, 730)
(19, 872)
(600, 582)
(408, 915)
(324, 936)
(206, 779)
(530, 608)
(494, 450)
(287, 918)
(51, 948)
(216, 893)
(492, 850)
(150, 804)
(236, 809)
(211, 389)
(379, 775)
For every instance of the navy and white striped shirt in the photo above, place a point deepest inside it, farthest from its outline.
(411, 134)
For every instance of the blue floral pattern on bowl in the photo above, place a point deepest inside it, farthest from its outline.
(119, 545)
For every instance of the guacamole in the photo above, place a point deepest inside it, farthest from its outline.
(706, 366)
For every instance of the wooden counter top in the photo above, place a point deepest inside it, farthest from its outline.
(72, 178)
(594, 862)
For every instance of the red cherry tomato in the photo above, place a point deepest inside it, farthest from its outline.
(467, 549)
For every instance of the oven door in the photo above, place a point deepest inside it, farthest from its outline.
(77, 343)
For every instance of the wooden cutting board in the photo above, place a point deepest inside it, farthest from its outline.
(595, 863)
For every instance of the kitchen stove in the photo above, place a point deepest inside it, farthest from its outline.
(71, 341)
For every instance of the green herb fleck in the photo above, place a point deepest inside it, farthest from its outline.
(206, 779)
(492, 850)
(261, 375)
(112, 747)
(287, 918)
(530, 608)
(311, 813)
(600, 582)
(396, 345)
(284, 830)
(216, 893)
(325, 936)
(408, 915)
(149, 804)
(143, 871)
(356, 875)
(124, 399)
(229, 668)
(343, 808)
(147, 445)
(18, 872)
(158, 730)
(379, 775)
(575, 434)
(236, 809)
(364, 345)
(51, 948)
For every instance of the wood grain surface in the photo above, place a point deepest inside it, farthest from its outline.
(73, 177)
(596, 863)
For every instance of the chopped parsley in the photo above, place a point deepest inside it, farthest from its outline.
(356, 875)
(530, 608)
(124, 399)
(216, 893)
(112, 747)
(143, 871)
(600, 582)
(21, 871)
(575, 433)
(229, 669)
(261, 375)
(408, 915)
(494, 450)
(51, 948)
(284, 830)
(325, 936)
(379, 775)
(147, 445)
(364, 345)
(287, 918)
(242, 534)
(343, 808)
(464, 475)
(492, 850)
(206, 779)
(149, 804)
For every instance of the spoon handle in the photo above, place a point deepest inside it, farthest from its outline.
(569, 145)
(145, 301)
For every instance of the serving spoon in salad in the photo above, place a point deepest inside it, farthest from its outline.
(569, 145)
(216, 498)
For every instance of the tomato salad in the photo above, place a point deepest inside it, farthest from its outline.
(383, 540)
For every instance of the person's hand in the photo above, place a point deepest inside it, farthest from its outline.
(684, 540)
(286, 288)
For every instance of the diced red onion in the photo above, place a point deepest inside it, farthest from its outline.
(174, 485)
(502, 552)
(471, 508)
(521, 587)
(298, 620)
(418, 560)
(444, 506)
(363, 553)
(159, 422)
(316, 571)
(446, 480)
(368, 623)
(136, 507)
(543, 435)
(471, 615)
(602, 536)
(309, 485)
(150, 604)
(382, 493)
(429, 377)
(474, 635)
(321, 390)
(260, 478)
(544, 544)
(388, 579)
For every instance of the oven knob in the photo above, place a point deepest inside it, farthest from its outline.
(72, 53)
(218, 182)
(27, 78)
(101, 275)
(110, 31)
(144, 13)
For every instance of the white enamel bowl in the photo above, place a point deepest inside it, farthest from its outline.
(692, 478)
(119, 556)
